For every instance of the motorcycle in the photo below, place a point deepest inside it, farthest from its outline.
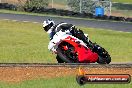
(71, 49)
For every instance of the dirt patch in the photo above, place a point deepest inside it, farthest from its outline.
(18, 74)
(118, 14)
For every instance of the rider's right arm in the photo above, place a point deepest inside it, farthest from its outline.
(51, 35)
(54, 41)
(52, 48)
(50, 45)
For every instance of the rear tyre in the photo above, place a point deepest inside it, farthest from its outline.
(104, 60)
(104, 57)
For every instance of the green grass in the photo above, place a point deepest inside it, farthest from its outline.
(27, 42)
(23, 42)
(124, 10)
(127, 13)
(124, 13)
(123, 1)
(118, 44)
(62, 82)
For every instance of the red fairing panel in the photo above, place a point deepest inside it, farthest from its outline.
(86, 55)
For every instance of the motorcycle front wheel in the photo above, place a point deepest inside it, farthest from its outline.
(68, 56)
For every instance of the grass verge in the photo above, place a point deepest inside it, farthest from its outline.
(62, 82)
(123, 1)
(23, 42)
(27, 43)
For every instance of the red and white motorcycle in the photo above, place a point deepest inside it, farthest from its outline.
(70, 49)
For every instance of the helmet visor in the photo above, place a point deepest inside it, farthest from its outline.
(46, 28)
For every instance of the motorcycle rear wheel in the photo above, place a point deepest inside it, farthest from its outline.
(104, 57)
(102, 60)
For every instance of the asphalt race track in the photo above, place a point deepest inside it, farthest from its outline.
(110, 25)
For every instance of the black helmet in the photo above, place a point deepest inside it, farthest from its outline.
(47, 24)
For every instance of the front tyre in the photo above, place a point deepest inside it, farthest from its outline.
(59, 60)
(62, 56)
(67, 56)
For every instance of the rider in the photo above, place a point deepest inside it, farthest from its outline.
(50, 27)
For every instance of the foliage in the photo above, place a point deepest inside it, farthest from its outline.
(36, 3)
(75, 5)
(87, 6)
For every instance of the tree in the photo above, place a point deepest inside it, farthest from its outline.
(36, 3)
(87, 6)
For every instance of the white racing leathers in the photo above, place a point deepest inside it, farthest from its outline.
(53, 44)
(59, 37)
